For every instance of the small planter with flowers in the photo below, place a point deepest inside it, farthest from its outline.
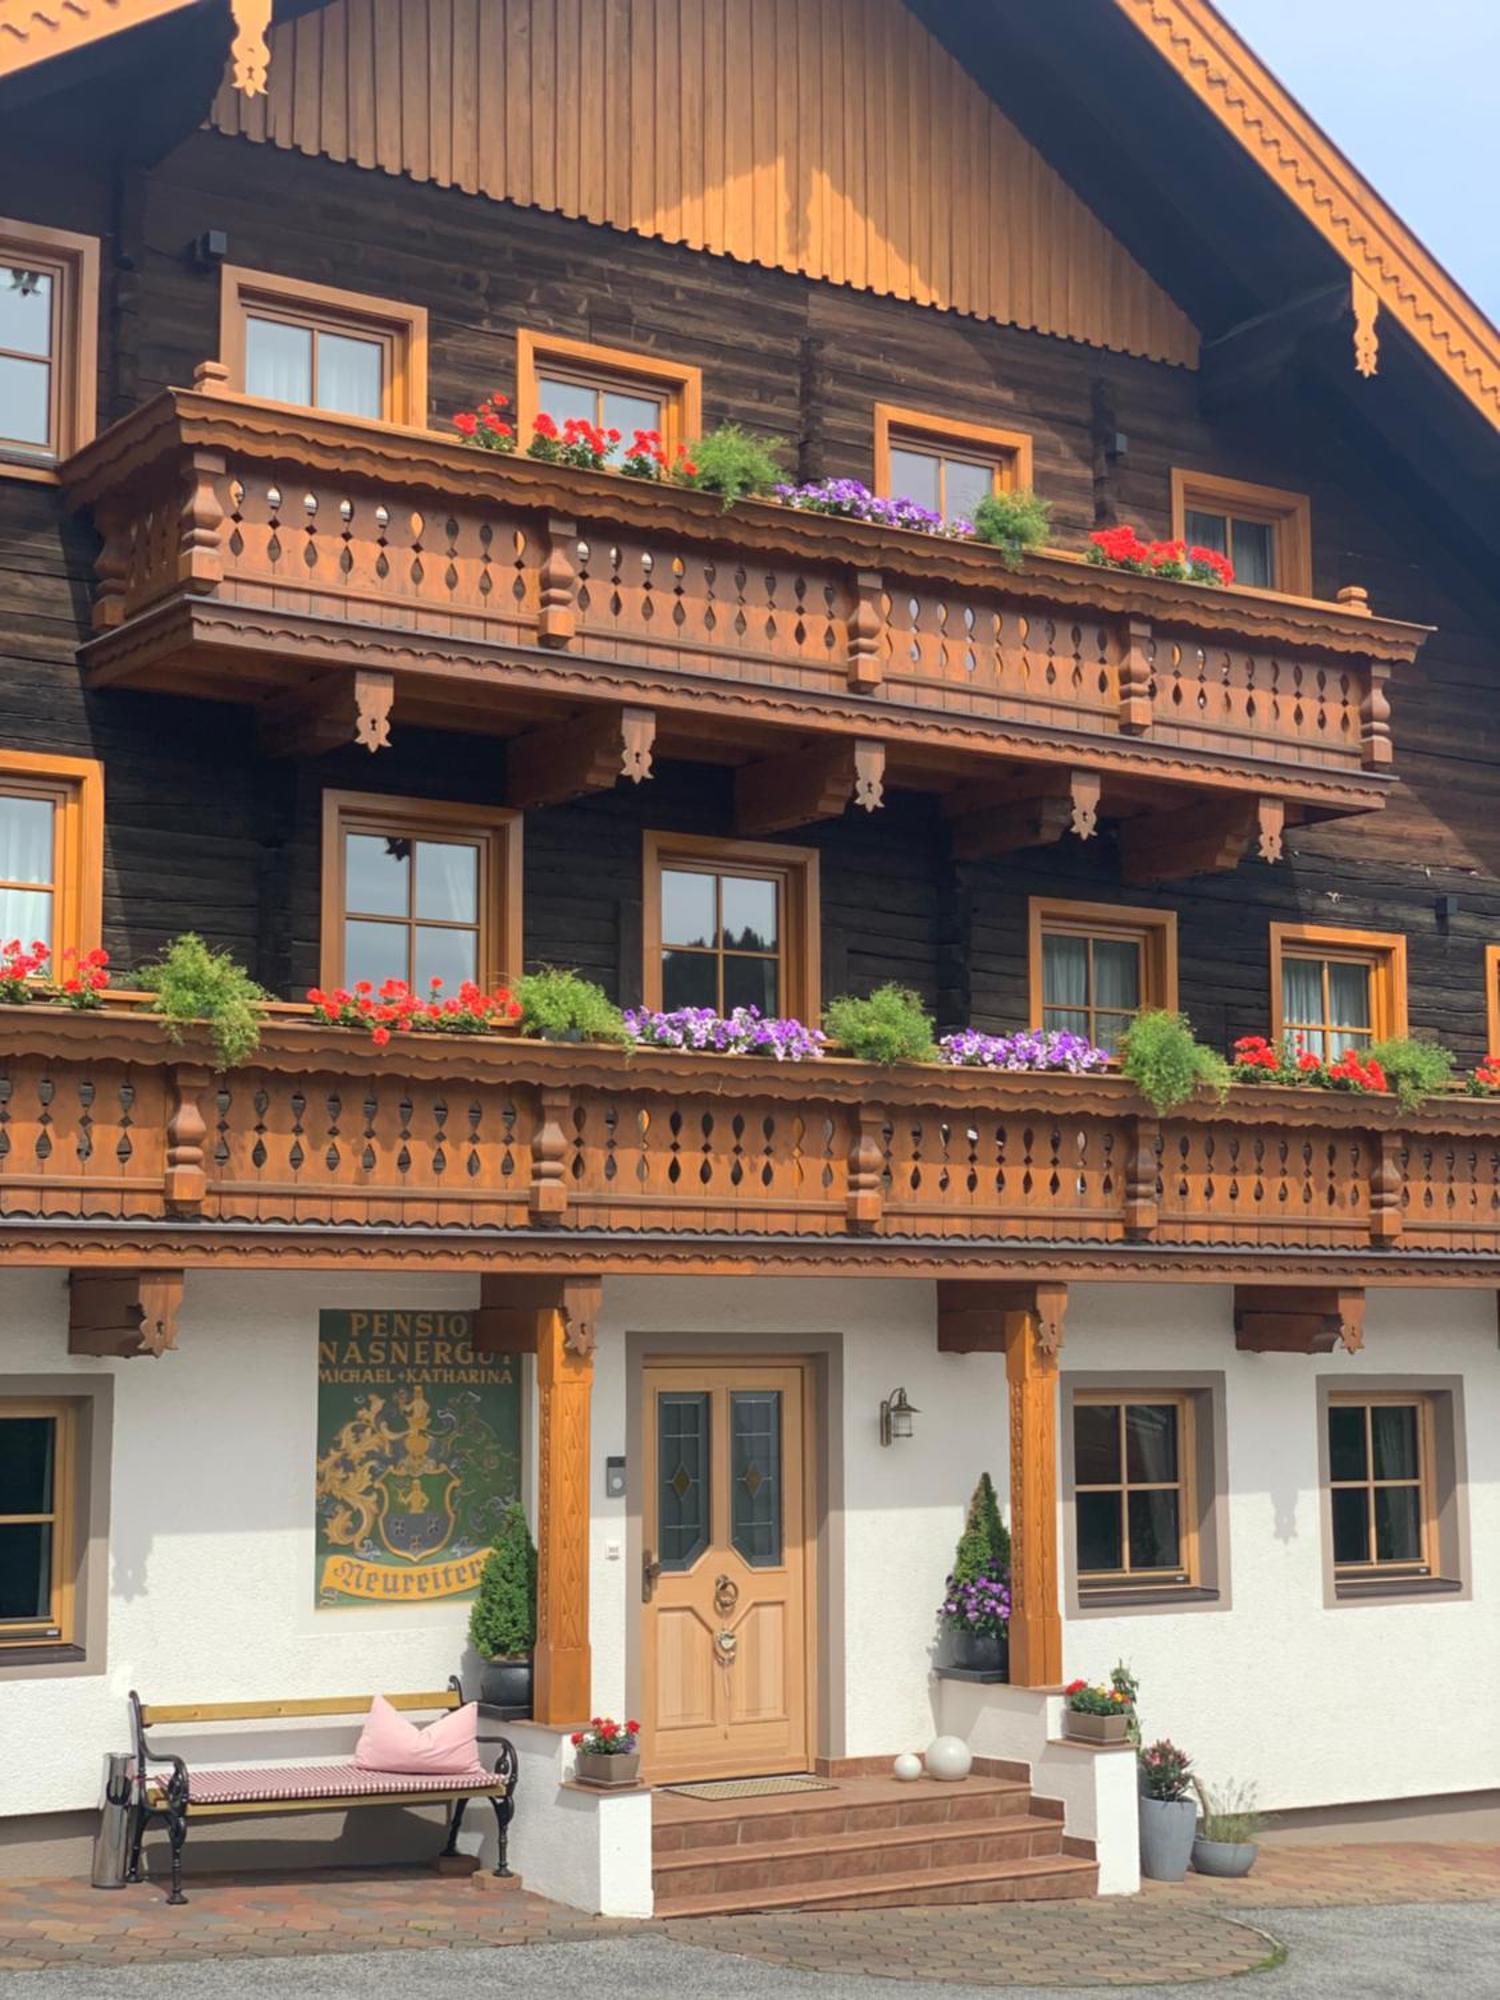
(1096, 1714)
(609, 1754)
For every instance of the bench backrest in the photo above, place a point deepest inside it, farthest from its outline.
(157, 1714)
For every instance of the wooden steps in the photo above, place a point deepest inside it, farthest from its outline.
(871, 1843)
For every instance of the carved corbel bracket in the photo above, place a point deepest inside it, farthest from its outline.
(1298, 1319)
(511, 1309)
(121, 1314)
(591, 753)
(1206, 838)
(1035, 812)
(981, 1315)
(809, 785)
(340, 708)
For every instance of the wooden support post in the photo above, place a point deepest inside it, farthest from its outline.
(1375, 718)
(1298, 1319)
(332, 711)
(1141, 1174)
(121, 1314)
(557, 619)
(808, 785)
(185, 1183)
(549, 1153)
(563, 1690)
(1033, 1336)
(1387, 1185)
(1036, 811)
(866, 1197)
(1135, 677)
(865, 671)
(591, 753)
(200, 565)
(1205, 838)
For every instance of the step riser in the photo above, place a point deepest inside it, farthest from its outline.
(727, 1877)
(1020, 1890)
(1047, 1880)
(806, 1823)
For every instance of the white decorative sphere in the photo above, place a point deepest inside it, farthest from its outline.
(949, 1757)
(907, 1766)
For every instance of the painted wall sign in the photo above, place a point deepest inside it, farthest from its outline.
(419, 1451)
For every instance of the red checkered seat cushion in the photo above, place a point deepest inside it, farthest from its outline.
(316, 1781)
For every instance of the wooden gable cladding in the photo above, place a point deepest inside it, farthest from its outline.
(830, 137)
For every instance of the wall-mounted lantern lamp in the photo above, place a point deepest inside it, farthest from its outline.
(896, 1414)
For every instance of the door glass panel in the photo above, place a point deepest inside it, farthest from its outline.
(1155, 1538)
(25, 1569)
(278, 360)
(1096, 1444)
(1099, 1543)
(350, 375)
(755, 1475)
(682, 1444)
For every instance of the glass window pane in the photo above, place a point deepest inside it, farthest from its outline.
(561, 399)
(351, 375)
(452, 956)
(25, 839)
(1117, 974)
(1096, 1444)
(1254, 555)
(26, 311)
(26, 1570)
(1150, 1441)
(965, 486)
(914, 476)
(1398, 1524)
(1351, 1524)
(1155, 1531)
(1108, 1030)
(749, 914)
(682, 1484)
(1100, 1544)
(1346, 1442)
(1066, 1020)
(752, 982)
(25, 401)
(26, 914)
(1206, 531)
(1065, 971)
(1394, 1428)
(27, 1445)
(689, 979)
(447, 881)
(1301, 991)
(688, 908)
(755, 1475)
(627, 413)
(278, 360)
(1348, 995)
(375, 951)
(377, 875)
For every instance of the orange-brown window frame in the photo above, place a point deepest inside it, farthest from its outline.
(495, 829)
(1492, 999)
(61, 1516)
(1289, 515)
(72, 262)
(678, 384)
(1427, 1563)
(1186, 1573)
(75, 788)
(400, 328)
(1383, 951)
(1008, 451)
(798, 929)
(1154, 930)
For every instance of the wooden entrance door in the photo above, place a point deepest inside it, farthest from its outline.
(725, 1571)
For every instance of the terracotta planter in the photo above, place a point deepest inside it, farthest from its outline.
(1085, 1728)
(608, 1772)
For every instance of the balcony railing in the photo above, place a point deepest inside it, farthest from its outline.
(107, 1125)
(248, 548)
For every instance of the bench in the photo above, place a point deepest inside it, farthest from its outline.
(166, 1792)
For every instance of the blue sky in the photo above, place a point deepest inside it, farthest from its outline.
(1411, 92)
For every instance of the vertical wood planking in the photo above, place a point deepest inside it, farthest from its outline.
(819, 136)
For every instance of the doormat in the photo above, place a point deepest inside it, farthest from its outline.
(750, 1788)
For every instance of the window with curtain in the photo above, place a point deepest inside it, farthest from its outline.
(1249, 544)
(721, 938)
(943, 463)
(1265, 532)
(1091, 984)
(1327, 1003)
(610, 403)
(608, 386)
(1132, 1488)
(316, 364)
(36, 1524)
(51, 850)
(28, 867)
(1380, 1478)
(949, 482)
(321, 348)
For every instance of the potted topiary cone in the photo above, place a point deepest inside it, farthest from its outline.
(976, 1604)
(502, 1623)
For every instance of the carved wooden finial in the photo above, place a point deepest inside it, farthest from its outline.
(250, 51)
(211, 378)
(1354, 597)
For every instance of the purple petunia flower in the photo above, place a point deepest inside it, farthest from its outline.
(744, 1032)
(851, 500)
(1032, 1049)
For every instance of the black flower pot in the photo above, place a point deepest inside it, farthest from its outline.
(506, 1683)
(976, 1652)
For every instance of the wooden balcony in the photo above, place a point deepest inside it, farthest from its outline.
(118, 1145)
(345, 578)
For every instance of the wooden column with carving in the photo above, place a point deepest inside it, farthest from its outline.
(565, 1334)
(1033, 1336)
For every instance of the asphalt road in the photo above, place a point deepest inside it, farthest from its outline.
(1410, 1952)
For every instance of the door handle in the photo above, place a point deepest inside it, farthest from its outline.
(726, 1595)
(650, 1571)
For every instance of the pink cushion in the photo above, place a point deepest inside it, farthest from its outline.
(445, 1748)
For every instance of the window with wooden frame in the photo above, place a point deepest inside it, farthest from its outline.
(945, 464)
(1094, 966)
(607, 386)
(318, 348)
(1492, 999)
(51, 850)
(37, 1527)
(418, 890)
(49, 346)
(1381, 1485)
(1334, 990)
(1135, 1517)
(1266, 533)
(731, 923)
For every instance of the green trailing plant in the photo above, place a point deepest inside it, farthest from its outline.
(1013, 523)
(502, 1620)
(564, 1007)
(984, 1546)
(890, 1026)
(735, 464)
(1414, 1070)
(1124, 1683)
(1167, 1063)
(192, 982)
(1228, 1812)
